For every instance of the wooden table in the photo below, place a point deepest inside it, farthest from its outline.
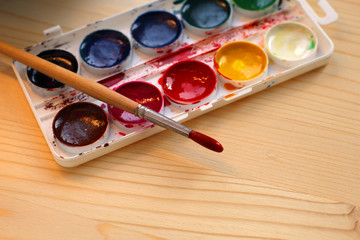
(290, 169)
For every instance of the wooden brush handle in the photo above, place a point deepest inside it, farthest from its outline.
(70, 78)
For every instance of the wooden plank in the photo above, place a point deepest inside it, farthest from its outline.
(172, 201)
(300, 136)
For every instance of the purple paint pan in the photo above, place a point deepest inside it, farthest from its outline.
(144, 93)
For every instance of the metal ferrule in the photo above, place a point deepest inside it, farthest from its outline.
(161, 120)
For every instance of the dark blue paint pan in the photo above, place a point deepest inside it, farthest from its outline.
(46, 86)
(105, 51)
(157, 32)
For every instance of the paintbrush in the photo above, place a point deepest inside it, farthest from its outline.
(106, 95)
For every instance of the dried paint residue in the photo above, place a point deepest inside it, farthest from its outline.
(230, 87)
(211, 44)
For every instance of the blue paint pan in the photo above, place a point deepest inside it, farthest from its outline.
(105, 51)
(156, 32)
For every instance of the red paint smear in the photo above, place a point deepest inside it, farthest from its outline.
(166, 102)
(212, 43)
(65, 100)
(160, 81)
(209, 45)
(110, 81)
(206, 141)
(179, 55)
(261, 42)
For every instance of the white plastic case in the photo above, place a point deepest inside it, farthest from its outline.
(148, 68)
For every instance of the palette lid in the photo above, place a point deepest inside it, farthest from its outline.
(330, 14)
(52, 32)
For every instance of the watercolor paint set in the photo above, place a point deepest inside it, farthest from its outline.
(179, 58)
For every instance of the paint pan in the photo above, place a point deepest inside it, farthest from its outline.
(240, 63)
(290, 44)
(156, 32)
(80, 127)
(46, 86)
(255, 8)
(189, 84)
(206, 17)
(105, 51)
(142, 92)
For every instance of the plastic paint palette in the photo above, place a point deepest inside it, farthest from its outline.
(146, 68)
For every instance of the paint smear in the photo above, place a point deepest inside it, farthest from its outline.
(231, 95)
(230, 87)
(110, 81)
(211, 44)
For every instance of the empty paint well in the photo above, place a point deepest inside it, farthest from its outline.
(105, 51)
(255, 8)
(240, 63)
(206, 17)
(46, 86)
(290, 44)
(189, 84)
(144, 93)
(156, 32)
(80, 127)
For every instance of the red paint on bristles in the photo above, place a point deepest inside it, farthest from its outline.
(206, 141)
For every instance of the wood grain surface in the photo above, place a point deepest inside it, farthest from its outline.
(290, 168)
